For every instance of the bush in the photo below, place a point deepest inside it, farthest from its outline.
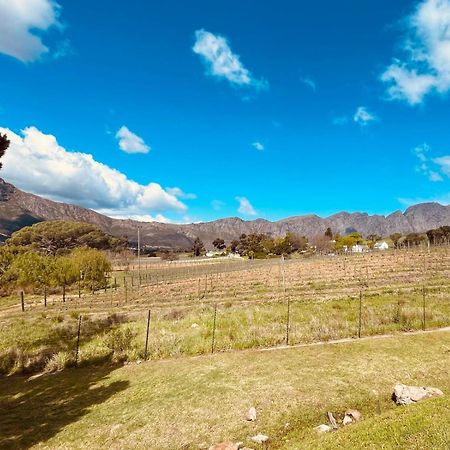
(120, 342)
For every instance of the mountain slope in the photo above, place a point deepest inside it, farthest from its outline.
(18, 209)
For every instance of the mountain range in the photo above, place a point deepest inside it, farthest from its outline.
(19, 209)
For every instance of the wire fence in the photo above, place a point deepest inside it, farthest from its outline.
(83, 337)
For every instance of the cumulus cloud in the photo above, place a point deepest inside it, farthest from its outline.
(21, 25)
(258, 146)
(130, 142)
(363, 116)
(36, 163)
(217, 205)
(177, 192)
(245, 207)
(425, 67)
(221, 62)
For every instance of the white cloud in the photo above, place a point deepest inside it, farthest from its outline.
(363, 116)
(258, 146)
(309, 82)
(36, 163)
(444, 164)
(245, 207)
(222, 62)
(130, 142)
(20, 20)
(177, 192)
(217, 205)
(425, 67)
(423, 167)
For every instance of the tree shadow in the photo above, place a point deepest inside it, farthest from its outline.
(32, 412)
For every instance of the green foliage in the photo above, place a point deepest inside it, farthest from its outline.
(59, 236)
(92, 265)
(4, 144)
(198, 249)
(219, 244)
(348, 241)
(30, 269)
(395, 237)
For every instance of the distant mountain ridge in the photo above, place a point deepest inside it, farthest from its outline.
(19, 209)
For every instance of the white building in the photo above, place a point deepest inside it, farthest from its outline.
(381, 246)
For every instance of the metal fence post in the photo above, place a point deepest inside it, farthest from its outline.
(22, 301)
(424, 308)
(360, 314)
(64, 293)
(148, 330)
(78, 341)
(45, 297)
(288, 320)
(214, 329)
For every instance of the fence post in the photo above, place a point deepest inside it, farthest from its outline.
(214, 329)
(126, 290)
(115, 284)
(424, 308)
(45, 296)
(360, 314)
(288, 320)
(146, 337)
(78, 341)
(64, 293)
(22, 301)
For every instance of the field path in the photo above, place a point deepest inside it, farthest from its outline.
(353, 339)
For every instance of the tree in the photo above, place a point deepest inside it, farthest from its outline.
(329, 233)
(234, 244)
(395, 238)
(198, 249)
(58, 236)
(219, 244)
(91, 266)
(4, 144)
(31, 269)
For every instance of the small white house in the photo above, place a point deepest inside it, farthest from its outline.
(383, 245)
(358, 248)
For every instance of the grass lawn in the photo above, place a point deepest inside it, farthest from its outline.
(188, 402)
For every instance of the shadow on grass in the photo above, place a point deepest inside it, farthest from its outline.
(32, 412)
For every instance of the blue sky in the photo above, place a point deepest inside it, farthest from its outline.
(189, 111)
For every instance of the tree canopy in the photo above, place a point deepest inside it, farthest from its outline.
(4, 144)
(59, 236)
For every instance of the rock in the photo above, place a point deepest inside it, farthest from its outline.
(195, 325)
(138, 361)
(225, 446)
(260, 438)
(323, 428)
(406, 395)
(351, 415)
(332, 420)
(347, 420)
(251, 414)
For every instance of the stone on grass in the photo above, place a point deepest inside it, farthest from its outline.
(251, 414)
(351, 415)
(407, 395)
(323, 428)
(260, 438)
(226, 446)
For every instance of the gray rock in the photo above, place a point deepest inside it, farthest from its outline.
(323, 428)
(406, 395)
(351, 415)
(251, 414)
(260, 438)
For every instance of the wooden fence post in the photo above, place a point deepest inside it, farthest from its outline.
(423, 308)
(45, 296)
(22, 301)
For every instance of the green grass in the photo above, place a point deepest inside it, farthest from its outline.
(29, 341)
(189, 401)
